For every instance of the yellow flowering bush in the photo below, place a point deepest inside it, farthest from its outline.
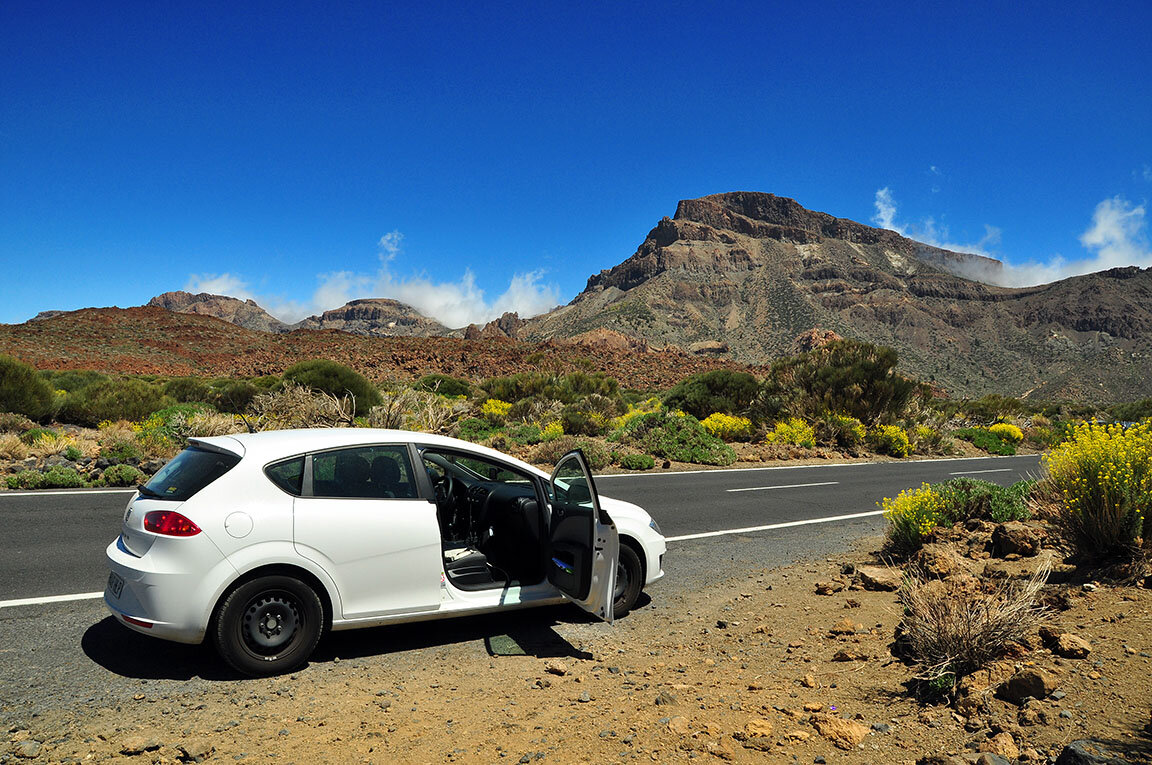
(551, 431)
(792, 431)
(1006, 431)
(912, 515)
(1102, 479)
(843, 430)
(646, 406)
(728, 427)
(495, 409)
(891, 440)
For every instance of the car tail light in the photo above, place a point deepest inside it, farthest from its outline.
(170, 523)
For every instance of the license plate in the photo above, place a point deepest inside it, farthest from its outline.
(115, 584)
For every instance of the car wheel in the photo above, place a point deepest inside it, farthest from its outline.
(269, 625)
(629, 581)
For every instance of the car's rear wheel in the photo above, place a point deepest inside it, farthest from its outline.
(269, 625)
(629, 581)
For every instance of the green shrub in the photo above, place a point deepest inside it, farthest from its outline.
(637, 462)
(1102, 483)
(550, 452)
(233, 396)
(676, 437)
(966, 498)
(722, 390)
(525, 435)
(1134, 411)
(33, 435)
(125, 398)
(52, 478)
(846, 376)
(982, 438)
(927, 440)
(474, 429)
(186, 389)
(72, 452)
(445, 385)
(23, 391)
(336, 380)
(728, 427)
(568, 389)
(121, 475)
(73, 380)
(793, 431)
(1048, 435)
(891, 440)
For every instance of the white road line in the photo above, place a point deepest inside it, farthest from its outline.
(977, 472)
(58, 493)
(647, 474)
(771, 526)
(50, 599)
(787, 486)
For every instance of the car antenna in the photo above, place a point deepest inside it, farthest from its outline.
(242, 417)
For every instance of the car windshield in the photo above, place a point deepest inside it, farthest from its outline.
(188, 473)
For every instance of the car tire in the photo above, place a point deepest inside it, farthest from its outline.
(269, 625)
(629, 581)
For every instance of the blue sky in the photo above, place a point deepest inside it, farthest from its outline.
(475, 158)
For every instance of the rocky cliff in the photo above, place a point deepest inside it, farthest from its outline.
(379, 317)
(245, 313)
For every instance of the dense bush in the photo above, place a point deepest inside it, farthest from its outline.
(846, 376)
(73, 380)
(927, 440)
(126, 398)
(445, 385)
(1006, 431)
(675, 437)
(233, 396)
(984, 439)
(891, 440)
(567, 389)
(187, 389)
(23, 391)
(52, 478)
(793, 431)
(336, 380)
(637, 462)
(728, 427)
(1102, 482)
(722, 390)
(911, 516)
(1133, 411)
(474, 429)
(550, 452)
(495, 410)
(841, 430)
(121, 475)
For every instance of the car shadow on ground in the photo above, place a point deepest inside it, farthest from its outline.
(520, 633)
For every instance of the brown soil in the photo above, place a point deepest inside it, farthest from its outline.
(744, 671)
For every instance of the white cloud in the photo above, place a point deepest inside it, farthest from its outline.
(452, 303)
(1117, 237)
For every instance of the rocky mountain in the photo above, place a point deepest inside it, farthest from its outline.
(244, 313)
(743, 274)
(379, 317)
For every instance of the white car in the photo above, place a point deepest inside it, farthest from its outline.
(263, 541)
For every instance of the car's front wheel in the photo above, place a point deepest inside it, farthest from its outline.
(269, 625)
(629, 581)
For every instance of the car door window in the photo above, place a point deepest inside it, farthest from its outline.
(369, 472)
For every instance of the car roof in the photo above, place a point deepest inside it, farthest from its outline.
(269, 445)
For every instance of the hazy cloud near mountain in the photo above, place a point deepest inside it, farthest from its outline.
(1117, 237)
(452, 303)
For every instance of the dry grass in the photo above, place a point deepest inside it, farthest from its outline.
(203, 424)
(411, 409)
(11, 447)
(295, 406)
(956, 626)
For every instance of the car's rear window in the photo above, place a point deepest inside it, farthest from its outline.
(189, 472)
(288, 475)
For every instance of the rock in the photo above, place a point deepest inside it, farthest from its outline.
(813, 706)
(1085, 752)
(845, 627)
(937, 561)
(1027, 682)
(990, 758)
(1016, 538)
(584, 697)
(846, 655)
(196, 751)
(138, 745)
(758, 727)
(721, 749)
(844, 734)
(1002, 744)
(808, 682)
(28, 748)
(710, 347)
(679, 725)
(829, 588)
(797, 735)
(879, 578)
(970, 706)
(665, 699)
(882, 727)
(556, 667)
(1068, 646)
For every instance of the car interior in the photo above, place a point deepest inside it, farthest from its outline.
(491, 522)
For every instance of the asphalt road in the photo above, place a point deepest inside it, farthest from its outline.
(54, 542)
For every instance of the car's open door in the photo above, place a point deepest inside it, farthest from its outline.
(583, 544)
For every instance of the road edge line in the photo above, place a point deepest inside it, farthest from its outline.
(50, 599)
(771, 526)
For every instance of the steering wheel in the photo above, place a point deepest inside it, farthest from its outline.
(445, 487)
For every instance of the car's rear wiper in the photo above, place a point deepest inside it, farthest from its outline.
(144, 490)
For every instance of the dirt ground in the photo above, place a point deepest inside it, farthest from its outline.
(760, 668)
